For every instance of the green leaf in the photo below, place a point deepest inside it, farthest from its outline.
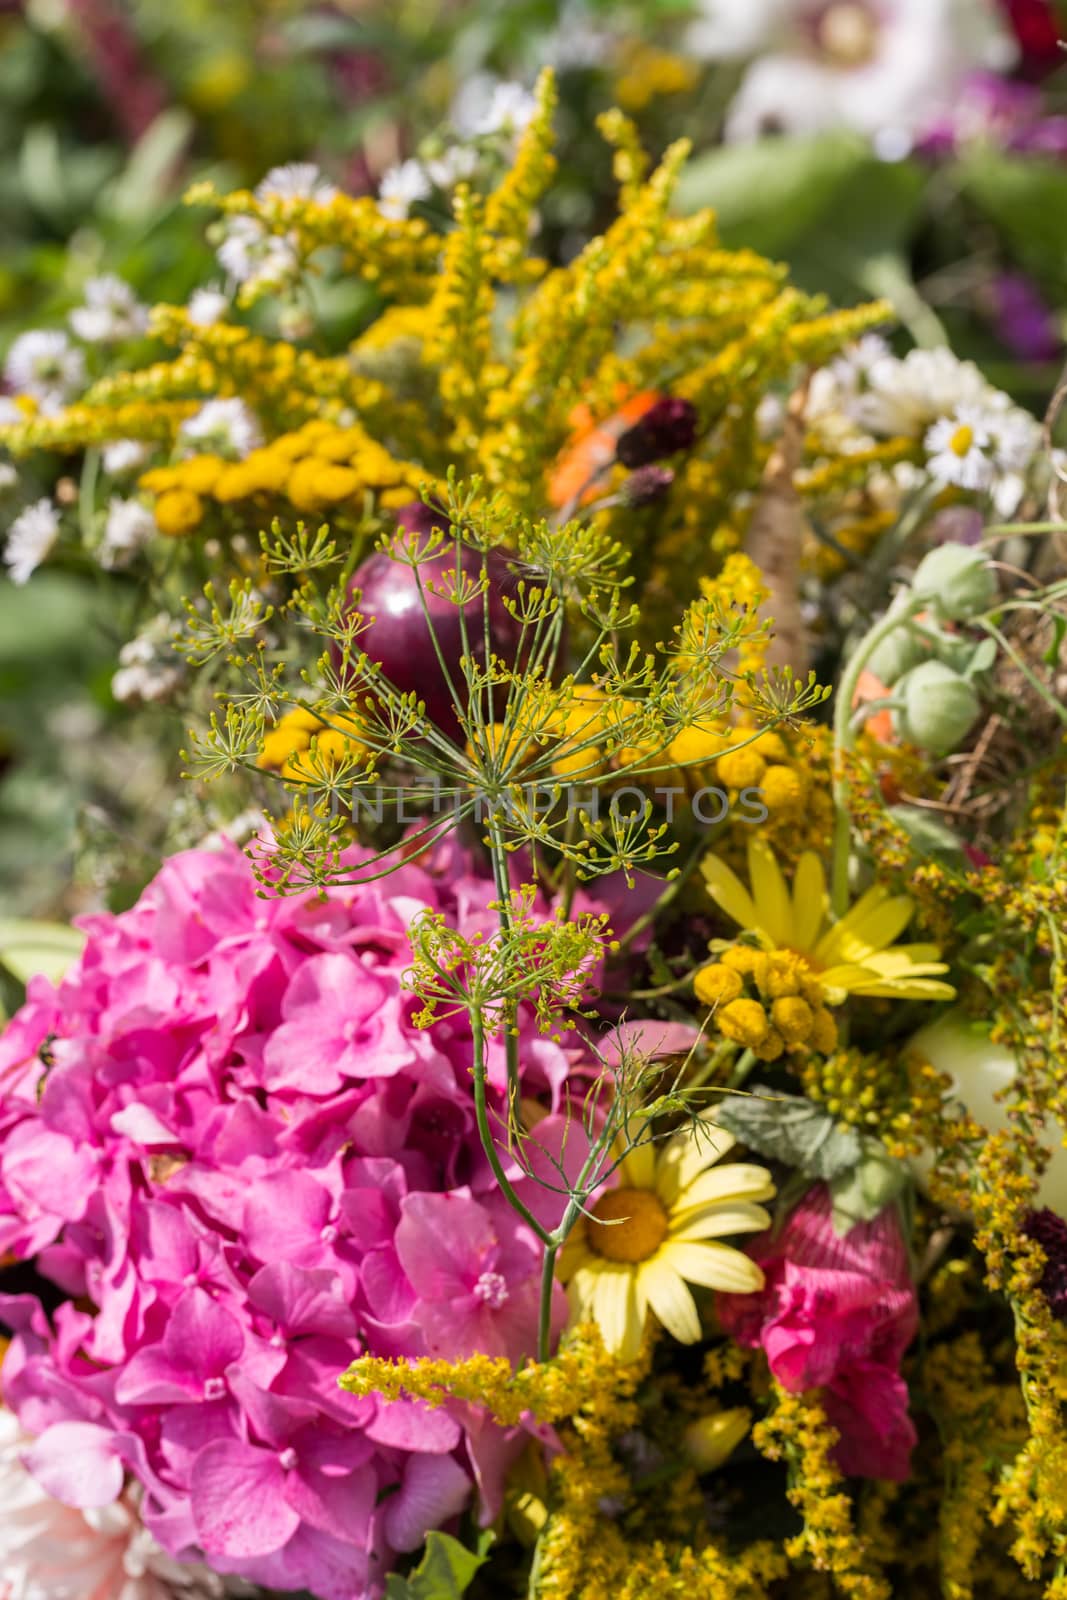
(1026, 198)
(445, 1572)
(790, 1129)
(874, 1183)
(769, 192)
(29, 948)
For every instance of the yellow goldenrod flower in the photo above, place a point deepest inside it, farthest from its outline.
(661, 1229)
(178, 511)
(855, 955)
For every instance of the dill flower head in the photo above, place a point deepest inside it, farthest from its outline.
(855, 955)
(642, 1242)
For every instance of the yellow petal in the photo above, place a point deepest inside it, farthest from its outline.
(722, 1221)
(773, 906)
(877, 926)
(669, 1299)
(729, 893)
(738, 1180)
(689, 1154)
(615, 1309)
(638, 1167)
(703, 1264)
(724, 1268)
(809, 901)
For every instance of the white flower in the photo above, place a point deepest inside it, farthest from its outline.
(8, 476)
(30, 538)
(485, 105)
(251, 255)
(958, 449)
(400, 187)
(222, 427)
(888, 68)
(10, 413)
(459, 161)
(297, 180)
(128, 528)
(125, 455)
(206, 307)
(149, 668)
(111, 312)
(903, 397)
(43, 363)
(51, 1551)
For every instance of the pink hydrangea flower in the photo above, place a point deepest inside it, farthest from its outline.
(837, 1314)
(226, 1142)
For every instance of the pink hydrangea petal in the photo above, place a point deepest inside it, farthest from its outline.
(434, 1488)
(238, 1499)
(77, 1463)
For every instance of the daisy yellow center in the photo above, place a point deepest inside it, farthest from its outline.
(961, 440)
(627, 1225)
(848, 34)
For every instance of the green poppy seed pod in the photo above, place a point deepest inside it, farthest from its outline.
(939, 708)
(896, 655)
(957, 580)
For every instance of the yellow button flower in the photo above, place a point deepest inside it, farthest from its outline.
(178, 512)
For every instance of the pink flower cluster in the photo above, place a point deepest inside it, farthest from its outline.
(837, 1313)
(226, 1142)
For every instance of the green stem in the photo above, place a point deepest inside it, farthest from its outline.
(845, 739)
(498, 856)
(485, 1133)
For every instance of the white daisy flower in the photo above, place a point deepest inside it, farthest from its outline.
(128, 528)
(125, 455)
(206, 307)
(29, 540)
(222, 427)
(888, 68)
(297, 180)
(400, 187)
(958, 449)
(902, 398)
(111, 312)
(150, 670)
(43, 363)
(485, 106)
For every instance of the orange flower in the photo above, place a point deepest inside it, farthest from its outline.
(592, 449)
(880, 723)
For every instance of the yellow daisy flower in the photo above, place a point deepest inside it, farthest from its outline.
(661, 1229)
(855, 955)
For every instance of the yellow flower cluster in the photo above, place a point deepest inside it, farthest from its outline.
(646, 73)
(302, 741)
(899, 1098)
(770, 1002)
(318, 468)
(798, 1432)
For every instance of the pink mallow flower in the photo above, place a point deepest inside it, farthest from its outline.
(836, 1313)
(225, 1141)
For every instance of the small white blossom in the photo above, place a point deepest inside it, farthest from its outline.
(206, 307)
(9, 412)
(43, 363)
(251, 255)
(297, 180)
(459, 161)
(400, 187)
(150, 670)
(125, 455)
(30, 538)
(128, 528)
(111, 312)
(222, 427)
(8, 476)
(958, 450)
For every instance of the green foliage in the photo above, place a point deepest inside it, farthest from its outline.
(445, 1572)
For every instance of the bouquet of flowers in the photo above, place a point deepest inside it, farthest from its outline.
(602, 1135)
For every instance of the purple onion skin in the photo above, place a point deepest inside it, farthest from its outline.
(386, 593)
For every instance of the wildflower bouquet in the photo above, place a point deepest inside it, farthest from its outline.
(603, 1135)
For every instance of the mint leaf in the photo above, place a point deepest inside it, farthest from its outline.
(791, 1129)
